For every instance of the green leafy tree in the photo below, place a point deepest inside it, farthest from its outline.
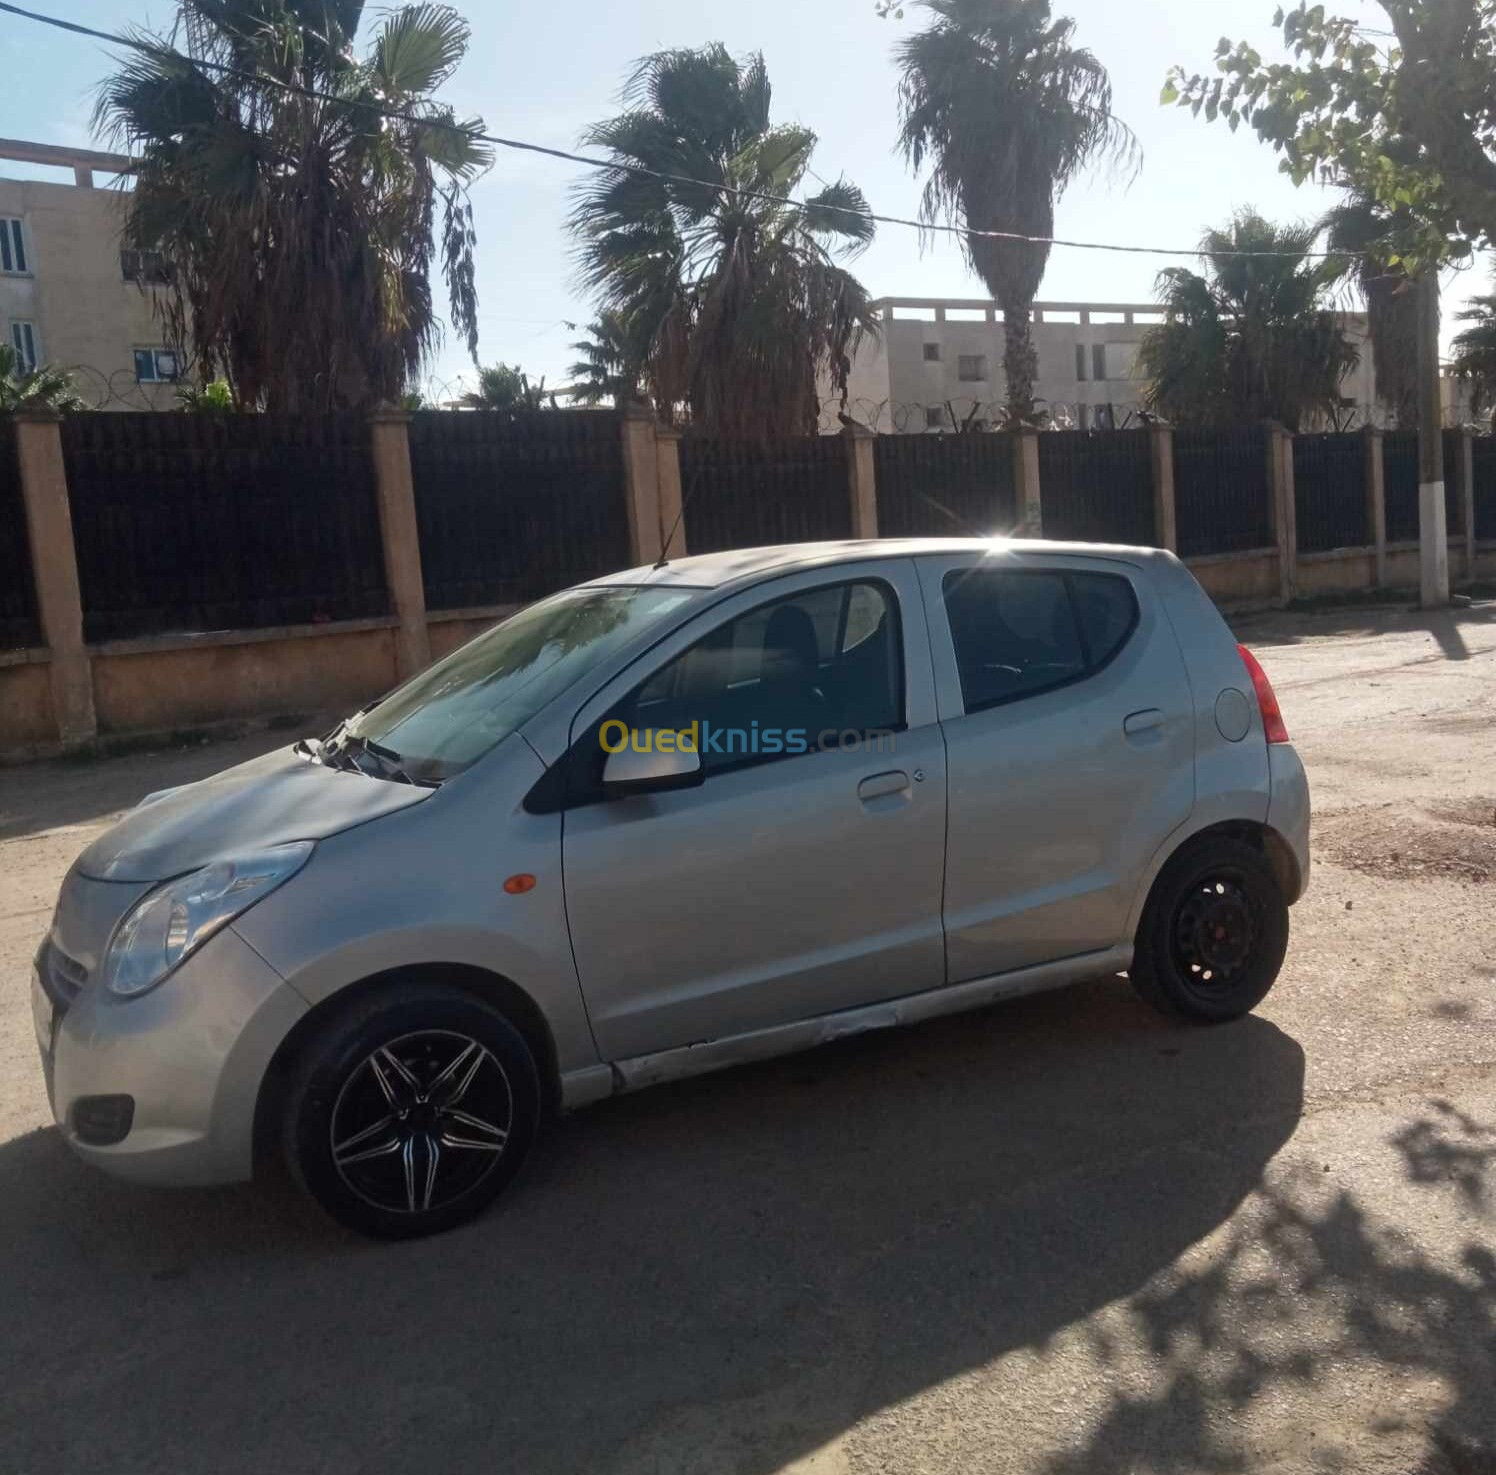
(1253, 338)
(738, 304)
(299, 234)
(1004, 110)
(42, 388)
(1403, 114)
(213, 398)
(1474, 359)
(508, 387)
(610, 362)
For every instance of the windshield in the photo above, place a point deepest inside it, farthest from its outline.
(449, 716)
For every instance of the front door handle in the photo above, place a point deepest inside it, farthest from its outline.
(1137, 723)
(879, 784)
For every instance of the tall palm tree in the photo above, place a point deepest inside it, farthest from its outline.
(1254, 338)
(1004, 110)
(41, 388)
(610, 361)
(739, 302)
(1363, 227)
(295, 198)
(1475, 354)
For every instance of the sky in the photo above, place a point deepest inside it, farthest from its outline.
(544, 71)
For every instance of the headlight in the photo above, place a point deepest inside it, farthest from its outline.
(175, 920)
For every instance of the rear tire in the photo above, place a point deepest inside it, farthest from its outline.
(411, 1111)
(1213, 933)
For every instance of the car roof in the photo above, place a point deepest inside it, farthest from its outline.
(738, 565)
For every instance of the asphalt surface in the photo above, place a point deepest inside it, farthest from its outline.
(1061, 1235)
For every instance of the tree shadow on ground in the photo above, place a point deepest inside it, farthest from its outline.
(725, 1274)
(1272, 628)
(1234, 1334)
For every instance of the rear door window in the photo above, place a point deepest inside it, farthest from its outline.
(1019, 633)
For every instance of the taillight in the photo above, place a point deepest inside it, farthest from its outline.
(1267, 700)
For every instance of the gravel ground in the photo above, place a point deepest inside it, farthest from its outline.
(1058, 1236)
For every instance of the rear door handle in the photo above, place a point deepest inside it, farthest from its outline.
(879, 784)
(1137, 723)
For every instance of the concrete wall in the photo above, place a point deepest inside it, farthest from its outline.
(88, 317)
(27, 722)
(1238, 578)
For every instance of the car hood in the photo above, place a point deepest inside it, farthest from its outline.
(267, 801)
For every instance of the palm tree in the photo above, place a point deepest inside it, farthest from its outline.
(1252, 339)
(1475, 354)
(1004, 110)
(294, 199)
(41, 388)
(610, 363)
(737, 302)
(1364, 228)
(508, 387)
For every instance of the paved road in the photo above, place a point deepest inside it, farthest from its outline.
(1058, 1236)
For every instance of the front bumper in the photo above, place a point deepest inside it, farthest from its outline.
(192, 1053)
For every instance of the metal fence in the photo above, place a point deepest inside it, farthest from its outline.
(1097, 486)
(1221, 491)
(208, 522)
(1329, 483)
(512, 507)
(1483, 456)
(945, 485)
(1454, 501)
(1400, 480)
(18, 620)
(748, 494)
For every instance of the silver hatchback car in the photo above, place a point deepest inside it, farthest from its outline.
(668, 821)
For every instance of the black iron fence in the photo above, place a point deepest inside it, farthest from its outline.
(1454, 480)
(955, 486)
(1483, 457)
(511, 507)
(1221, 491)
(1097, 486)
(748, 494)
(1400, 483)
(18, 622)
(1329, 485)
(209, 522)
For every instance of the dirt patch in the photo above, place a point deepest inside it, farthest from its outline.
(1442, 840)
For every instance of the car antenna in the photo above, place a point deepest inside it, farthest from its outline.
(685, 502)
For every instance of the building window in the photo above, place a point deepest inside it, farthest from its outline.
(143, 266)
(1098, 361)
(971, 368)
(156, 366)
(1083, 416)
(934, 417)
(12, 247)
(932, 353)
(26, 344)
(1080, 362)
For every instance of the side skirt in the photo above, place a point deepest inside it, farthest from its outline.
(580, 1087)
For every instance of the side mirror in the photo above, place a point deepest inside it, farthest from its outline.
(629, 771)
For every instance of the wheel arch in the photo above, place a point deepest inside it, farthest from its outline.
(482, 984)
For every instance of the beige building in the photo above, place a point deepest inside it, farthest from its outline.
(68, 294)
(940, 361)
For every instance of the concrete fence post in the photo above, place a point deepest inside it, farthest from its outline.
(1165, 521)
(54, 568)
(641, 478)
(862, 480)
(1281, 507)
(1465, 470)
(389, 432)
(1027, 498)
(1376, 502)
(667, 468)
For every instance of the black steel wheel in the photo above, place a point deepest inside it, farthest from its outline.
(1214, 932)
(411, 1112)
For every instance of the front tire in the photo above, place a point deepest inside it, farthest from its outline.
(1213, 934)
(411, 1111)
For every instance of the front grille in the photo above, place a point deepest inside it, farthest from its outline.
(62, 977)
